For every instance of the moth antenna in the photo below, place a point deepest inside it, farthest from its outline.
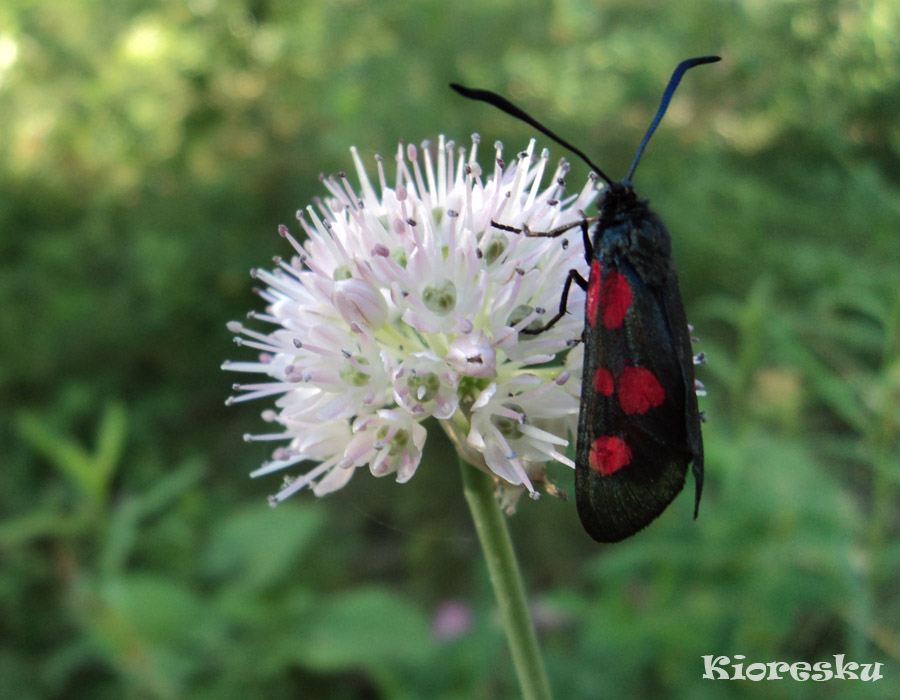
(680, 70)
(502, 103)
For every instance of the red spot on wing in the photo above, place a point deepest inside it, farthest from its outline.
(639, 390)
(615, 298)
(603, 381)
(592, 302)
(609, 454)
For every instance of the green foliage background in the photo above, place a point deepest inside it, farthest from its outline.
(147, 152)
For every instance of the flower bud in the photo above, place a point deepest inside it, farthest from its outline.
(359, 302)
(473, 355)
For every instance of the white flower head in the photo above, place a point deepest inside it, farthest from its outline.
(405, 301)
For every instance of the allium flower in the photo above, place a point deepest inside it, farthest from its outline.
(405, 302)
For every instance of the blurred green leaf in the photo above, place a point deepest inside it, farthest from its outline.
(92, 473)
(365, 628)
(160, 611)
(257, 546)
(126, 519)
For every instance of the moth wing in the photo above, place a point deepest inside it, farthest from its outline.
(646, 410)
(679, 327)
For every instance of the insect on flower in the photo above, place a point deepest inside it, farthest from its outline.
(639, 423)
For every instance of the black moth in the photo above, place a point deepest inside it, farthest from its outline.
(639, 425)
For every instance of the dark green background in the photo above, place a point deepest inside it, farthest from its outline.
(148, 151)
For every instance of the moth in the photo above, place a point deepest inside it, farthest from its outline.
(639, 422)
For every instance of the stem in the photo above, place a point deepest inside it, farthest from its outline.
(506, 581)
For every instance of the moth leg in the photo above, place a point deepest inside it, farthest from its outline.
(558, 231)
(573, 276)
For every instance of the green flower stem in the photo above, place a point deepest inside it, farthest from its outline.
(507, 582)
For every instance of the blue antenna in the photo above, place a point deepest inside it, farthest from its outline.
(505, 105)
(680, 70)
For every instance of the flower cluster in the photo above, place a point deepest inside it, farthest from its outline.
(406, 302)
